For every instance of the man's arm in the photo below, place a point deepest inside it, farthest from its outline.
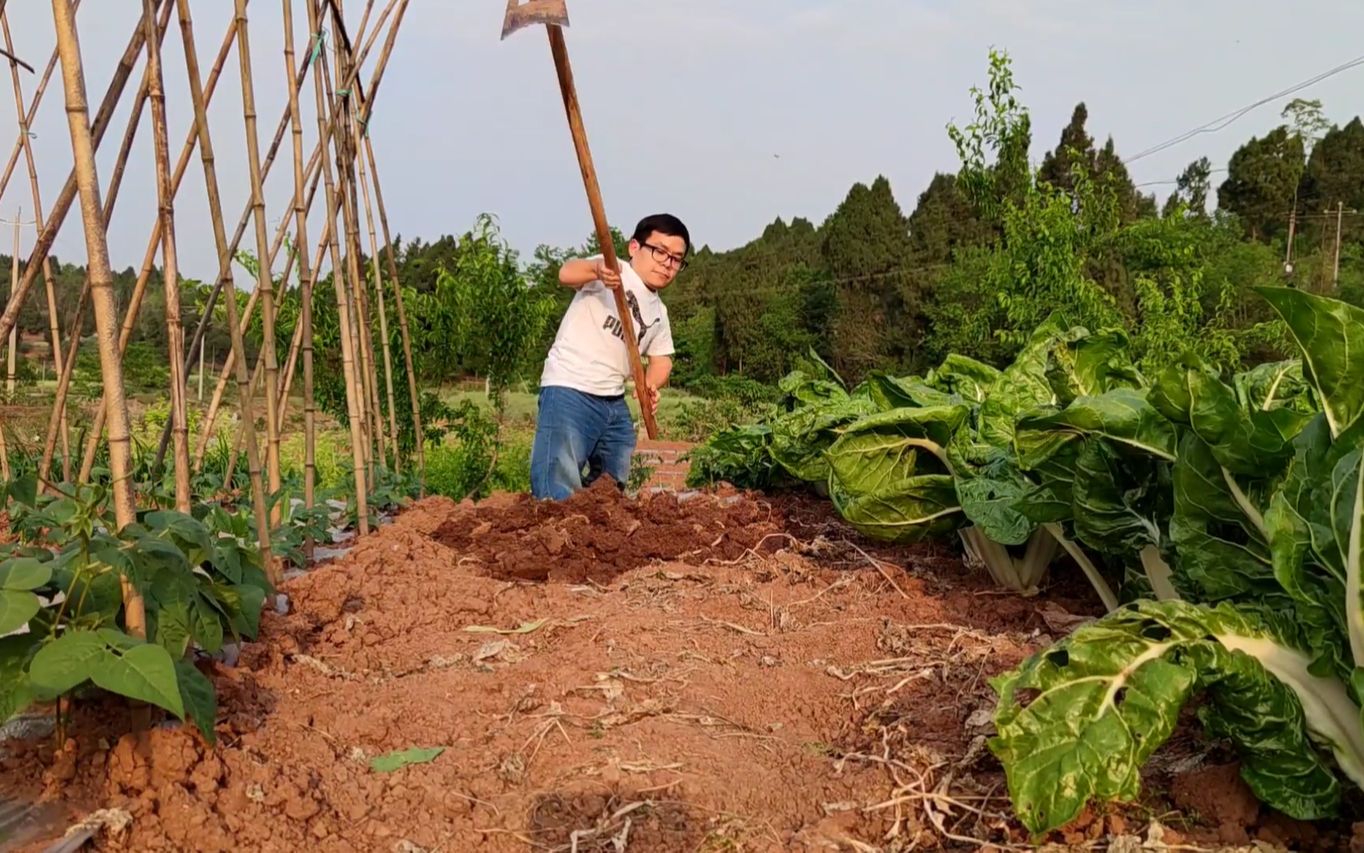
(656, 376)
(583, 271)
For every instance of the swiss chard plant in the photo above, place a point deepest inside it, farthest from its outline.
(1267, 543)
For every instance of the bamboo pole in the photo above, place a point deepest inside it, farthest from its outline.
(129, 325)
(54, 327)
(170, 274)
(314, 162)
(305, 308)
(32, 112)
(348, 157)
(363, 329)
(343, 315)
(69, 190)
(294, 347)
(283, 395)
(413, 394)
(215, 208)
(213, 408)
(264, 279)
(77, 322)
(12, 350)
(251, 302)
(101, 292)
(383, 311)
(206, 315)
(4, 455)
(248, 313)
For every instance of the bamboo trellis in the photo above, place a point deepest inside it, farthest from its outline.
(342, 161)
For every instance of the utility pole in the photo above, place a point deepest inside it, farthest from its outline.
(1340, 216)
(11, 360)
(1292, 227)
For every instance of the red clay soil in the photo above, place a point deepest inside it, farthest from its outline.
(732, 673)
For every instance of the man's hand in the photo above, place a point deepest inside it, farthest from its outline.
(607, 276)
(653, 398)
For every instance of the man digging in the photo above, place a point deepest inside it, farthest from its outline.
(583, 419)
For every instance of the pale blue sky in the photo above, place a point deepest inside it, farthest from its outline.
(687, 103)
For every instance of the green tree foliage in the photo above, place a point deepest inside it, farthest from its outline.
(1262, 179)
(1335, 171)
(1191, 190)
(866, 251)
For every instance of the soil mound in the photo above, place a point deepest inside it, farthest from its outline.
(713, 674)
(599, 532)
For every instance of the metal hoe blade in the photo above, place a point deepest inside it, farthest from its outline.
(523, 13)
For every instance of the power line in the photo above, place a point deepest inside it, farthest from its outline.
(1220, 123)
(1172, 180)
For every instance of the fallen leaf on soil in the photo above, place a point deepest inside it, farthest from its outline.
(1060, 619)
(523, 628)
(398, 760)
(505, 649)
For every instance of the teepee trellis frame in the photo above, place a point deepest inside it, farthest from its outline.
(340, 161)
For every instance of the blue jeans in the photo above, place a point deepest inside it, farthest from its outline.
(573, 430)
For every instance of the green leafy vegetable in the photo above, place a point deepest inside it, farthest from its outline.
(1077, 722)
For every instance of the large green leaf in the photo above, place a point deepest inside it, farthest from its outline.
(991, 490)
(66, 662)
(1275, 385)
(1121, 498)
(964, 377)
(113, 661)
(882, 449)
(1077, 722)
(1123, 416)
(1315, 525)
(1089, 365)
(891, 392)
(800, 438)
(16, 693)
(199, 698)
(16, 609)
(739, 455)
(138, 670)
(1244, 437)
(24, 573)
(1218, 526)
(903, 511)
(1330, 335)
(1023, 385)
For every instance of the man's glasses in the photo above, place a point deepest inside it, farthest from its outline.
(663, 256)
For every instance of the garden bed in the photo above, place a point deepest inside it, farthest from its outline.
(704, 671)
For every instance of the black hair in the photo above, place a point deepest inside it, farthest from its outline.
(663, 223)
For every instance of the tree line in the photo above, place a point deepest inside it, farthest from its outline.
(985, 253)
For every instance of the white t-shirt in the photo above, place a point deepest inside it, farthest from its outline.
(589, 351)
